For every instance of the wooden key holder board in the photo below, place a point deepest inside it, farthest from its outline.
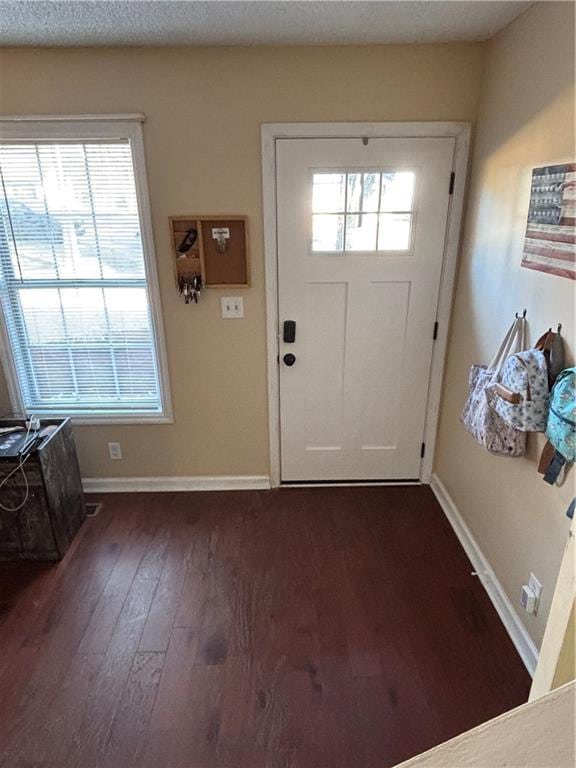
(216, 247)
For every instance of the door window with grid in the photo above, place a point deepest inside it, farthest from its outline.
(76, 300)
(362, 211)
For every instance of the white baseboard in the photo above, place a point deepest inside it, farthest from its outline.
(198, 483)
(353, 484)
(515, 628)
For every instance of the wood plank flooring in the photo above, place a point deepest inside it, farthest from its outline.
(301, 628)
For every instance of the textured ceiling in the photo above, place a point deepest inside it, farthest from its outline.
(166, 22)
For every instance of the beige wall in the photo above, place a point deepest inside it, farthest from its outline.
(204, 109)
(535, 735)
(525, 119)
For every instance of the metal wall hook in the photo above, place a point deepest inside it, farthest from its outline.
(524, 313)
(559, 329)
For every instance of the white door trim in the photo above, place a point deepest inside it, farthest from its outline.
(460, 131)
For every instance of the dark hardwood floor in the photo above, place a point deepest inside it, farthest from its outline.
(326, 627)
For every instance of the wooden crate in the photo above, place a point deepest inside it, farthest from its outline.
(44, 528)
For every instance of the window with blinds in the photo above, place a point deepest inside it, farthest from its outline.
(75, 297)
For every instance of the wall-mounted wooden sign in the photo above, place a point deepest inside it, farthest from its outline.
(216, 247)
(550, 231)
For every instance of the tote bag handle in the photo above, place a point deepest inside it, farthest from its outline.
(514, 341)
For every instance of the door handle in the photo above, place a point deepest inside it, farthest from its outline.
(289, 332)
(289, 359)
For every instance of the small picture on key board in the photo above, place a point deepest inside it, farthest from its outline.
(549, 245)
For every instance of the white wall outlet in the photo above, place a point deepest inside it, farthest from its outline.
(528, 599)
(115, 451)
(530, 595)
(536, 587)
(232, 307)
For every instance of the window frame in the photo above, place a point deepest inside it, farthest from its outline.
(378, 252)
(94, 127)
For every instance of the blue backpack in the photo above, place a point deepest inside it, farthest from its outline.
(561, 427)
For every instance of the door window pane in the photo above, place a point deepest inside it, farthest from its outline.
(328, 232)
(328, 192)
(397, 191)
(378, 207)
(361, 232)
(363, 192)
(394, 232)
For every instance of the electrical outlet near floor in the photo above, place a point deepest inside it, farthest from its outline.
(530, 595)
(231, 307)
(536, 587)
(115, 451)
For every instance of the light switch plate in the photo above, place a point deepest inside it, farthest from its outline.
(232, 307)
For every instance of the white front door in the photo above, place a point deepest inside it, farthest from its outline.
(361, 230)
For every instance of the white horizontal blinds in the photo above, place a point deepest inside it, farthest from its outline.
(73, 278)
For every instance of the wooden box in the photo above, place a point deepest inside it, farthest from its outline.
(45, 526)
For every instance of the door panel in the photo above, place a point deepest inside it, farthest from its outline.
(361, 233)
(323, 354)
(386, 322)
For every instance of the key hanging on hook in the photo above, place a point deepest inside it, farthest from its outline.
(196, 286)
(190, 287)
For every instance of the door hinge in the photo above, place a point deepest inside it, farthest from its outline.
(451, 187)
(435, 333)
(422, 450)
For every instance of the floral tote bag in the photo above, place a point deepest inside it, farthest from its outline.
(521, 394)
(485, 424)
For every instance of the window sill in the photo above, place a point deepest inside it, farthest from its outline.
(100, 421)
(83, 421)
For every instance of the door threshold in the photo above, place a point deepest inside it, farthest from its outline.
(343, 483)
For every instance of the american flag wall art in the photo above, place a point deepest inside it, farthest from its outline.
(550, 241)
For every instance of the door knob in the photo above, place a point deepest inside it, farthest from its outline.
(289, 359)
